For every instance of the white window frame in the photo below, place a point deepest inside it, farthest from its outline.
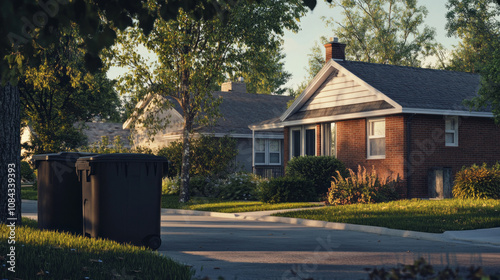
(302, 130)
(454, 131)
(267, 152)
(326, 139)
(369, 137)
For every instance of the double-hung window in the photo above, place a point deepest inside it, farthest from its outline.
(451, 131)
(329, 144)
(267, 151)
(376, 138)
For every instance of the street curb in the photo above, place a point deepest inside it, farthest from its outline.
(319, 224)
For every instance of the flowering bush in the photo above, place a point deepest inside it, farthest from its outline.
(170, 185)
(240, 186)
(362, 187)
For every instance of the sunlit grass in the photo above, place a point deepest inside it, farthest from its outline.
(435, 216)
(215, 205)
(42, 254)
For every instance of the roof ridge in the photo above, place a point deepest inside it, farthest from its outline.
(408, 67)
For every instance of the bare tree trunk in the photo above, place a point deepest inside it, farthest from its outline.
(10, 151)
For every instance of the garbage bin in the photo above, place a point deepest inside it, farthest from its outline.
(59, 192)
(121, 196)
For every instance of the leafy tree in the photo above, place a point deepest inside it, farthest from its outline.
(384, 31)
(61, 92)
(193, 57)
(476, 24)
(17, 23)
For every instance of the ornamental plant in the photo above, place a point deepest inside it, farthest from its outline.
(362, 187)
(478, 182)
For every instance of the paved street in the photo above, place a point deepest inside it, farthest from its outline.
(241, 249)
(245, 249)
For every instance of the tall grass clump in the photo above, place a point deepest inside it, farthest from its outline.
(362, 187)
(478, 182)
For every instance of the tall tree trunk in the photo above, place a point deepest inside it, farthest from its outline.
(10, 151)
(184, 191)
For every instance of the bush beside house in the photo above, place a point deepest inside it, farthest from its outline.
(288, 189)
(362, 187)
(478, 182)
(317, 169)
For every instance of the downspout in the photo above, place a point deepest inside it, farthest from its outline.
(409, 168)
(253, 152)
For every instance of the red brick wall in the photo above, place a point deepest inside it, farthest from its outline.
(478, 142)
(352, 147)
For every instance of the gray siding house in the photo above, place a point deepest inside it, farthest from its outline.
(239, 109)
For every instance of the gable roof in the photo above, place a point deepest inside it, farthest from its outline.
(418, 88)
(238, 111)
(381, 89)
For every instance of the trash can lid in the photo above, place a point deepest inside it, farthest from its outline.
(123, 157)
(62, 156)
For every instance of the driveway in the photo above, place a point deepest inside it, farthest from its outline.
(247, 249)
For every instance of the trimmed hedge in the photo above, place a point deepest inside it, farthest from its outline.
(318, 169)
(478, 182)
(288, 189)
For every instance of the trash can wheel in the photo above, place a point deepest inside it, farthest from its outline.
(153, 242)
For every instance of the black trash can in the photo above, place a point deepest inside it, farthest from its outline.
(59, 192)
(121, 197)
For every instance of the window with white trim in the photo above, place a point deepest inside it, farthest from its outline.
(303, 141)
(451, 131)
(267, 151)
(376, 138)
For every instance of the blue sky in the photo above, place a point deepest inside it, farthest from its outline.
(298, 45)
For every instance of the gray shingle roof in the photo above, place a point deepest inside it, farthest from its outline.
(242, 109)
(418, 87)
(239, 110)
(95, 131)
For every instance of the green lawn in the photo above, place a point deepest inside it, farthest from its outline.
(214, 205)
(42, 254)
(435, 216)
(28, 192)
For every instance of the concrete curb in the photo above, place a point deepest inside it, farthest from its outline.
(313, 223)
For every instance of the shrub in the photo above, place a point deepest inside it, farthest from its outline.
(209, 156)
(27, 173)
(478, 182)
(362, 187)
(240, 186)
(288, 189)
(204, 186)
(318, 169)
(170, 186)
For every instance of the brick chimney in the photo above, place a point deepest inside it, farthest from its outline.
(239, 86)
(335, 50)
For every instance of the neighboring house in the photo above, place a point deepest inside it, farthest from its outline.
(238, 110)
(404, 121)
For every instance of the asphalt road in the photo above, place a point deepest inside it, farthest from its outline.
(245, 249)
(242, 249)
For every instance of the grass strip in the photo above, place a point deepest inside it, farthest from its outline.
(214, 205)
(435, 216)
(42, 254)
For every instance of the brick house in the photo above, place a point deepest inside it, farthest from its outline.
(404, 121)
